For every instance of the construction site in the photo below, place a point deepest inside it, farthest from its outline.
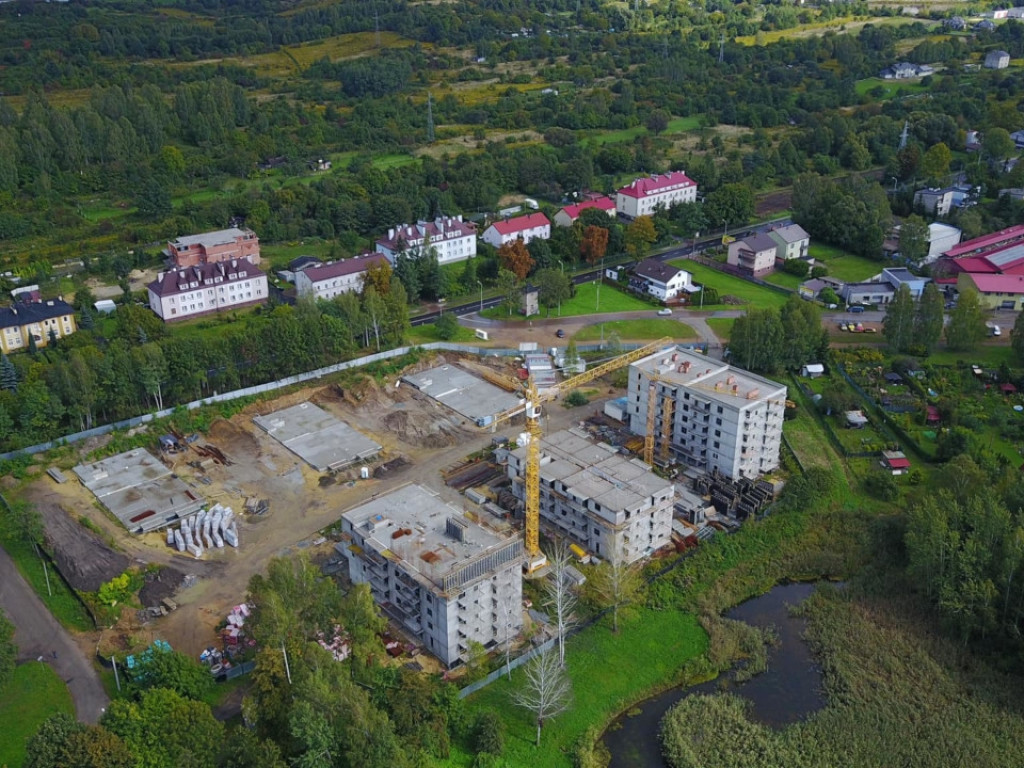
(410, 464)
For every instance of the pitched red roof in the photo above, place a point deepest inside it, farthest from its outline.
(601, 203)
(1012, 284)
(987, 241)
(521, 223)
(652, 185)
(898, 463)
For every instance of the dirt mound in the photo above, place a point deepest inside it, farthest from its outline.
(233, 440)
(424, 430)
(160, 584)
(85, 561)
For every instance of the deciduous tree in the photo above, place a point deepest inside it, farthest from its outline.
(616, 585)
(935, 162)
(966, 323)
(640, 234)
(553, 287)
(561, 597)
(509, 288)
(914, 239)
(547, 691)
(757, 341)
(930, 318)
(516, 258)
(898, 325)
(730, 204)
(594, 244)
(1017, 337)
(8, 651)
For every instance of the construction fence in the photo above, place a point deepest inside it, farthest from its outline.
(290, 381)
(513, 664)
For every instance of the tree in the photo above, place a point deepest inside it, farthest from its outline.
(514, 257)
(806, 340)
(828, 296)
(378, 275)
(966, 324)
(929, 320)
(640, 234)
(165, 730)
(553, 287)
(508, 287)
(489, 733)
(997, 144)
(1017, 336)
(153, 200)
(547, 690)
(757, 341)
(560, 597)
(935, 162)
(914, 239)
(730, 204)
(594, 244)
(615, 585)
(8, 651)
(657, 121)
(447, 326)
(174, 671)
(898, 325)
(8, 374)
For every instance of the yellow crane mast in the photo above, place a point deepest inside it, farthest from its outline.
(533, 401)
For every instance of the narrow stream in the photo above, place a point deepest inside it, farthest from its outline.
(788, 691)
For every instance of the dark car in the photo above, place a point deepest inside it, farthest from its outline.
(856, 308)
(560, 333)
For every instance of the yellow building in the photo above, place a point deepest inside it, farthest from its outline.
(25, 321)
(994, 291)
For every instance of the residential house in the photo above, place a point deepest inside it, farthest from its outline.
(937, 202)
(997, 60)
(526, 228)
(213, 247)
(895, 461)
(333, 279)
(187, 292)
(25, 322)
(451, 238)
(955, 24)
(903, 70)
(867, 293)
(645, 195)
(811, 289)
(568, 215)
(661, 280)
(994, 291)
(754, 255)
(1015, 13)
(720, 418)
(793, 242)
(972, 141)
(985, 25)
(897, 276)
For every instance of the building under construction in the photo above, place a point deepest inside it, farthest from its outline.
(608, 504)
(448, 580)
(706, 414)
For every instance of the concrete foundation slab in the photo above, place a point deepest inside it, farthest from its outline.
(139, 490)
(316, 437)
(464, 393)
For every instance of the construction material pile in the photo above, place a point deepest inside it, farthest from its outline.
(206, 530)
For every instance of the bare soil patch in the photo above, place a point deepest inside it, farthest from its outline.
(84, 560)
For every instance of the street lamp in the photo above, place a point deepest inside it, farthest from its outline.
(561, 266)
(597, 302)
(481, 295)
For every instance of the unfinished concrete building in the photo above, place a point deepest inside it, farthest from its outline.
(707, 414)
(610, 505)
(448, 580)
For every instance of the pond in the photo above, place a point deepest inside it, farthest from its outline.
(788, 691)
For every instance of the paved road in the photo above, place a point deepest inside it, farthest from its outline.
(37, 634)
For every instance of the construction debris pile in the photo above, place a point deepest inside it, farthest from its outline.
(338, 645)
(739, 499)
(211, 527)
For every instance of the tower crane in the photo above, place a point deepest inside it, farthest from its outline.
(533, 400)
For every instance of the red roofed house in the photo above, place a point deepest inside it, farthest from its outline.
(525, 228)
(994, 291)
(932, 417)
(643, 196)
(451, 238)
(330, 280)
(895, 462)
(213, 247)
(568, 215)
(204, 288)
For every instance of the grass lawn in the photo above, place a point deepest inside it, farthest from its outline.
(587, 301)
(722, 326)
(988, 355)
(33, 695)
(639, 330)
(608, 673)
(845, 266)
(728, 285)
(807, 440)
(785, 279)
(676, 125)
(891, 87)
(424, 334)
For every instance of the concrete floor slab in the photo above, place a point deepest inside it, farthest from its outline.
(316, 437)
(464, 393)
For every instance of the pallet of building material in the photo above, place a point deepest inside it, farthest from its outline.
(207, 524)
(170, 537)
(231, 535)
(179, 541)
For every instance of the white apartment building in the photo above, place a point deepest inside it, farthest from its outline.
(525, 228)
(643, 196)
(717, 416)
(330, 280)
(600, 500)
(452, 238)
(448, 580)
(204, 288)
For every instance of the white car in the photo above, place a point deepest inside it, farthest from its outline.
(664, 312)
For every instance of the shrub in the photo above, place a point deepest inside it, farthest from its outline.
(489, 733)
(797, 267)
(447, 326)
(882, 486)
(575, 399)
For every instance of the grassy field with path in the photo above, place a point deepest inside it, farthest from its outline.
(729, 285)
(638, 330)
(33, 695)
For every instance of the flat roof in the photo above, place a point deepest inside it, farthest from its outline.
(210, 239)
(464, 393)
(139, 490)
(714, 379)
(411, 525)
(592, 470)
(316, 437)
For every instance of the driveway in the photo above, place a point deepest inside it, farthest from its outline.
(37, 634)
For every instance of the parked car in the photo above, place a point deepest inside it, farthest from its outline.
(856, 308)
(665, 311)
(560, 333)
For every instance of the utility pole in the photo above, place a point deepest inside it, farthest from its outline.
(430, 118)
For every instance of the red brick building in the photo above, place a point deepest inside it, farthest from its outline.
(213, 248)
